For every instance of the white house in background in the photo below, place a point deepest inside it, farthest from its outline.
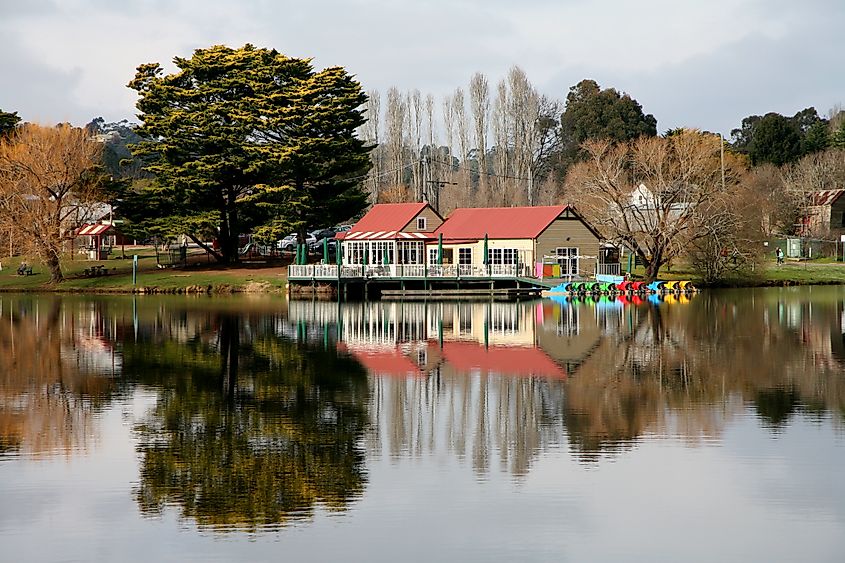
(645, 199)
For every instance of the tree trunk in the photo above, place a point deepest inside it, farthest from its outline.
(651, 271)
(51, 260)
(652, 265)
(228, 235)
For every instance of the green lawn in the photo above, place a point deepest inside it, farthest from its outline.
(271, 276)
(256, 276)
(822, 271)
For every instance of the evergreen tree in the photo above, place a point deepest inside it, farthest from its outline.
(593, 113)
(777, 139)
(8, 122)
(246, 138)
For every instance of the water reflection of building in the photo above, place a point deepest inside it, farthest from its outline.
(621, 370)
(395, 338)
(471, 378)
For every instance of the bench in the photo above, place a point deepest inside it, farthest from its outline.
(27, 271)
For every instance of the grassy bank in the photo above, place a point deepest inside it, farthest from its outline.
(203, 276)
(816, 272)
(199, 276)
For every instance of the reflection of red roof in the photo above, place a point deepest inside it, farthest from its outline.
(504, 360)
(387, 217)
(499, 222)
(383, 361)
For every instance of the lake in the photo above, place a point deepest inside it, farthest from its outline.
(709, 428)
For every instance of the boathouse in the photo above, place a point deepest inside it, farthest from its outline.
(394, 247)
(524, 238)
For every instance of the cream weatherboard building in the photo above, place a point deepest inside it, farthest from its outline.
(411, 241)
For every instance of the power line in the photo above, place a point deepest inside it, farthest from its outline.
(384, 173)
(488, 174)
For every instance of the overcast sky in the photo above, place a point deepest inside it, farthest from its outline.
(697, 63)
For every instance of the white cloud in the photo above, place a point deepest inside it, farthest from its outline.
(85, 51)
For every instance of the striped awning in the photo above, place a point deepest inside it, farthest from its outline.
(93, 230)
(385, 235)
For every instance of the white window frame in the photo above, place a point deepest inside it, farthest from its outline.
(464, 256)
(567, 257)
(422, 223)
(506, 256)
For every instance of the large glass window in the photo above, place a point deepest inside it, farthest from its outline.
(448, 256)
(355, 253)
(502, 256)
(465, 256)
(379, 250)
(410, 252)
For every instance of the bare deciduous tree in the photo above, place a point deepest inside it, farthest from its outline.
(395, 123)
(48, 187)
(479, 99)
(370, 132)
(501, 136)
(415, 120)
(814, 173)
(654, 195)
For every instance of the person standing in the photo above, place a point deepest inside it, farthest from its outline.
(779, 254)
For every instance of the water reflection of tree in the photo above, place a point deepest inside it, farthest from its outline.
(49, 394)
(685, 370)
(249, 430)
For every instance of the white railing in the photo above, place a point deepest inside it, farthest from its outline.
(411, 270)
(317, 271)
(446, 271)
(609, 269)
(465, 270)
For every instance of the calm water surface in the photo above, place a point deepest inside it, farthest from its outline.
(175, 429)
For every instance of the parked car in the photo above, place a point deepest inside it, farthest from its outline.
(289, 242)
(318, 244)
(317, 248)
(320, 234)
(342, 228)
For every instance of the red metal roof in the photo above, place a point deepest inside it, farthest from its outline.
(825, 197)
(504, 360)
(387, 217)
(499, 222)
(385, 235)
(93, 230)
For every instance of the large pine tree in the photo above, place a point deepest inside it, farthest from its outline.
(243, 139)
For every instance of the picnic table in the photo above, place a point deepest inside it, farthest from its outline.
(94, 271)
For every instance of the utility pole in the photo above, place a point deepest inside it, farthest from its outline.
(530, 184)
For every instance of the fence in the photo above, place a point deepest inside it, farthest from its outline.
(454, 271)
